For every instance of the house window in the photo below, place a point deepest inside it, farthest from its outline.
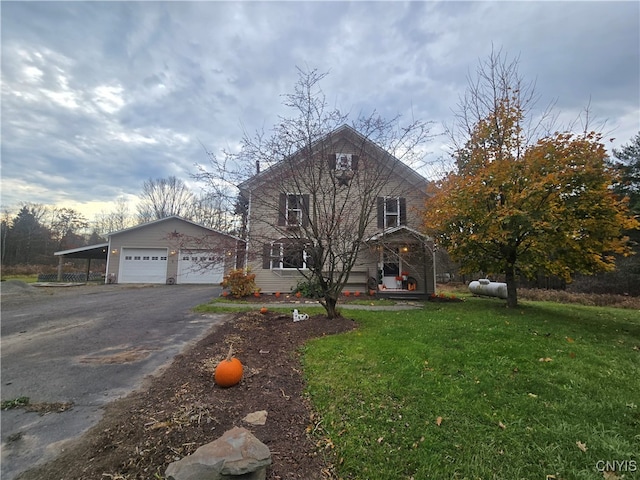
(286, 255)
(392, 212)
(343, 162)
(293, 210)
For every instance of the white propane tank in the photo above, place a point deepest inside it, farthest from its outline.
(484, 286)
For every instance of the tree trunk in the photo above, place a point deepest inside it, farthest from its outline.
(329, 305)
(512, 292)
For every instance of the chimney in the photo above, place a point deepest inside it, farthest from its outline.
(257, 166)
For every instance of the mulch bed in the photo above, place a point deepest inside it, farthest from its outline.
(183, 409)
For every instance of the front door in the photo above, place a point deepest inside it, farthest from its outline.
(391, 269)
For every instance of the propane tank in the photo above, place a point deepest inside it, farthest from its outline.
(484, 286)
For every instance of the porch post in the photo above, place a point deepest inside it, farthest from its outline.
(60, 261)
(433, 260)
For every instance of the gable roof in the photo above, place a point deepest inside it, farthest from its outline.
(173, 217)
(343, 132)
(396, 232)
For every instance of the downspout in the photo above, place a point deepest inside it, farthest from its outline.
(246, 241)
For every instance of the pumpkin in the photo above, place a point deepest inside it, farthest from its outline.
(264, 310)
(229, 371)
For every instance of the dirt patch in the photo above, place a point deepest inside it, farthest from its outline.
(128, 355)
(183, 409)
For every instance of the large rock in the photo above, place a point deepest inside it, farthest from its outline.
(236, 453)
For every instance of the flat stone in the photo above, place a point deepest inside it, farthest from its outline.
(237, 453)
(256, 418)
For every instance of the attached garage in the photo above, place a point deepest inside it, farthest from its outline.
(199, 266)
(143, 265)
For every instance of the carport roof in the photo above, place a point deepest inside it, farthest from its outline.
(98, 251)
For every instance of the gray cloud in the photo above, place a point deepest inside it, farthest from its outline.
(98, 97)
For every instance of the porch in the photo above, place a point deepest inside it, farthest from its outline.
(405, 264)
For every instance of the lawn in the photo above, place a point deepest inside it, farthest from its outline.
(475, 391)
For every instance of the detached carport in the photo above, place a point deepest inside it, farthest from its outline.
(90, 252)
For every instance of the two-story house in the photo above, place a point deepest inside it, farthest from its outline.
(341, 195)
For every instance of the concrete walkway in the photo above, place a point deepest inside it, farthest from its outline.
(302, 305)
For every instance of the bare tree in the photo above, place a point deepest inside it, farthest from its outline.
(117, 219)
(335, 206)
(165, 197)
(214, 211)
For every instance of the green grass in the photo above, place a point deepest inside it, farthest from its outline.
(504, 413)
(22, 278)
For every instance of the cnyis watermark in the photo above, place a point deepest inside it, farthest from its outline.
(617, 466)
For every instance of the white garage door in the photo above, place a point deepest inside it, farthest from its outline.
(143, 265)
(197, 266)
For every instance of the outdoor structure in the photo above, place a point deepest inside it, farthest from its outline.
(286, 203)
(171, 250)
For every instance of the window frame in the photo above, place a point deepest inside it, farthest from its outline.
(293, 210)
(385, 213)
(277, 252)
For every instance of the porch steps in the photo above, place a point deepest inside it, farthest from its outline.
(401, 295)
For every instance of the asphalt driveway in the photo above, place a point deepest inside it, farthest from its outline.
(87, 346)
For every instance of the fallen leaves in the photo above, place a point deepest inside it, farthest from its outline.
(545, 359)
(581, 446)
(609, 475)
(439, 421)
(502, 425)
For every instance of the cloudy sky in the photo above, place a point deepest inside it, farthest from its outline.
(98, 97)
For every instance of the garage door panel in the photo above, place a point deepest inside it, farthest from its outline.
(143, 265)
(199, 267)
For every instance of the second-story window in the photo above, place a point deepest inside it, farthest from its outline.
(293, 210)
(392, 212)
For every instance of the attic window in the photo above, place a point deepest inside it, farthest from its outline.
(344, 162)
(344, 166)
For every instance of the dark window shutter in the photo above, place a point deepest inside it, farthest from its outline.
(380, 212)
(266, 257)
(403, 211)
(305, 209)
(282, 210)
(332, 161)
(354, 162)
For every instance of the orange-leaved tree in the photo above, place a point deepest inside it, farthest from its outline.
(520, 207)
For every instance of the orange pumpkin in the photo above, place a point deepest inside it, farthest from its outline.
(264, 310)
(229, 371)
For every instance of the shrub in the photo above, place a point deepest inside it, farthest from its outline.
(240, 283)
(308, 289)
